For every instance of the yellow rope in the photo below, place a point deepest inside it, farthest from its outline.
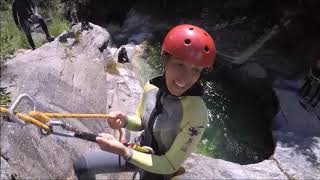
(40, 118)
(4, 110)
(27, 119)
(75, 115)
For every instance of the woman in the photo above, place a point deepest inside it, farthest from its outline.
(172, 112)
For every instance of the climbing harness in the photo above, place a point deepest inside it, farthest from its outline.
(47, 126)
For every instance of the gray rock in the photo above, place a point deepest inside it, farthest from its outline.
(66, 75)
(298, 156)
(201, 167)
(5, 172)
(70, 76)
(295, 157)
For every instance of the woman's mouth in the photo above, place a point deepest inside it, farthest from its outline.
(177, 88)
(179, 85)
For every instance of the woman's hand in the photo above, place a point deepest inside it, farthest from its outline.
(117, 119)
(108, 143)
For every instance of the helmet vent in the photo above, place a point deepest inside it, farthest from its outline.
(187, 42)
(206, 34)
(191, 29)
(206, 49)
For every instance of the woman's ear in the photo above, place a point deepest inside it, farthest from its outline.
(204, 72)
(165, 59)
(165, 63)
(164, 67)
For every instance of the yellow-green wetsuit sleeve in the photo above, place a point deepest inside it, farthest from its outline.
(172, 159)
(134, 122)
(193, 126)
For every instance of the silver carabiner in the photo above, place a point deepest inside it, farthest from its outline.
(64, 126)
(12, 116)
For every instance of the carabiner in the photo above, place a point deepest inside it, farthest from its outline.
(63, 125)
(73, 132)
(12, 116)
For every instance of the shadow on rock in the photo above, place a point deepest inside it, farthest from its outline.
(64, 38)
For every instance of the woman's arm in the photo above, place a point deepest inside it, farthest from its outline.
(185, 143)
(119, 119)
(134, 122)
(192, 127)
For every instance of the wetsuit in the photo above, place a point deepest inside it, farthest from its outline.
(24, 16)
(122, 56)
(172, 126)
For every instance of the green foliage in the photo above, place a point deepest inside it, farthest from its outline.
(4, 97)
(4, 101)
(11, 38)
(6, 47)
(58, 23)
(112, 68)
(4, 5)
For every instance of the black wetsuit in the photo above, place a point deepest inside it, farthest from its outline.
(24, 16)
(122, 56)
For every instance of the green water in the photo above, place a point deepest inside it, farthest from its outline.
(225, 137)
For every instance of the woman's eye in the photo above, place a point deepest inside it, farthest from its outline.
(195, 70)
(179, 65)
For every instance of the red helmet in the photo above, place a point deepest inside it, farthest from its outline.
(190, 43)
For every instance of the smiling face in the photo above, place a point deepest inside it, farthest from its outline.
(180, 75)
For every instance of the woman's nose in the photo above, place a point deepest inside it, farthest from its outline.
(185, 77)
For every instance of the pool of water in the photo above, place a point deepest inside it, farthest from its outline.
(232, 132)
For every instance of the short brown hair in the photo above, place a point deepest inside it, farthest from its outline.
(165, 56)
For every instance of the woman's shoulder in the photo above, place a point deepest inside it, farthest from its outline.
(193, 102)
(152, 84)
(194, 109)
(148, 87)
